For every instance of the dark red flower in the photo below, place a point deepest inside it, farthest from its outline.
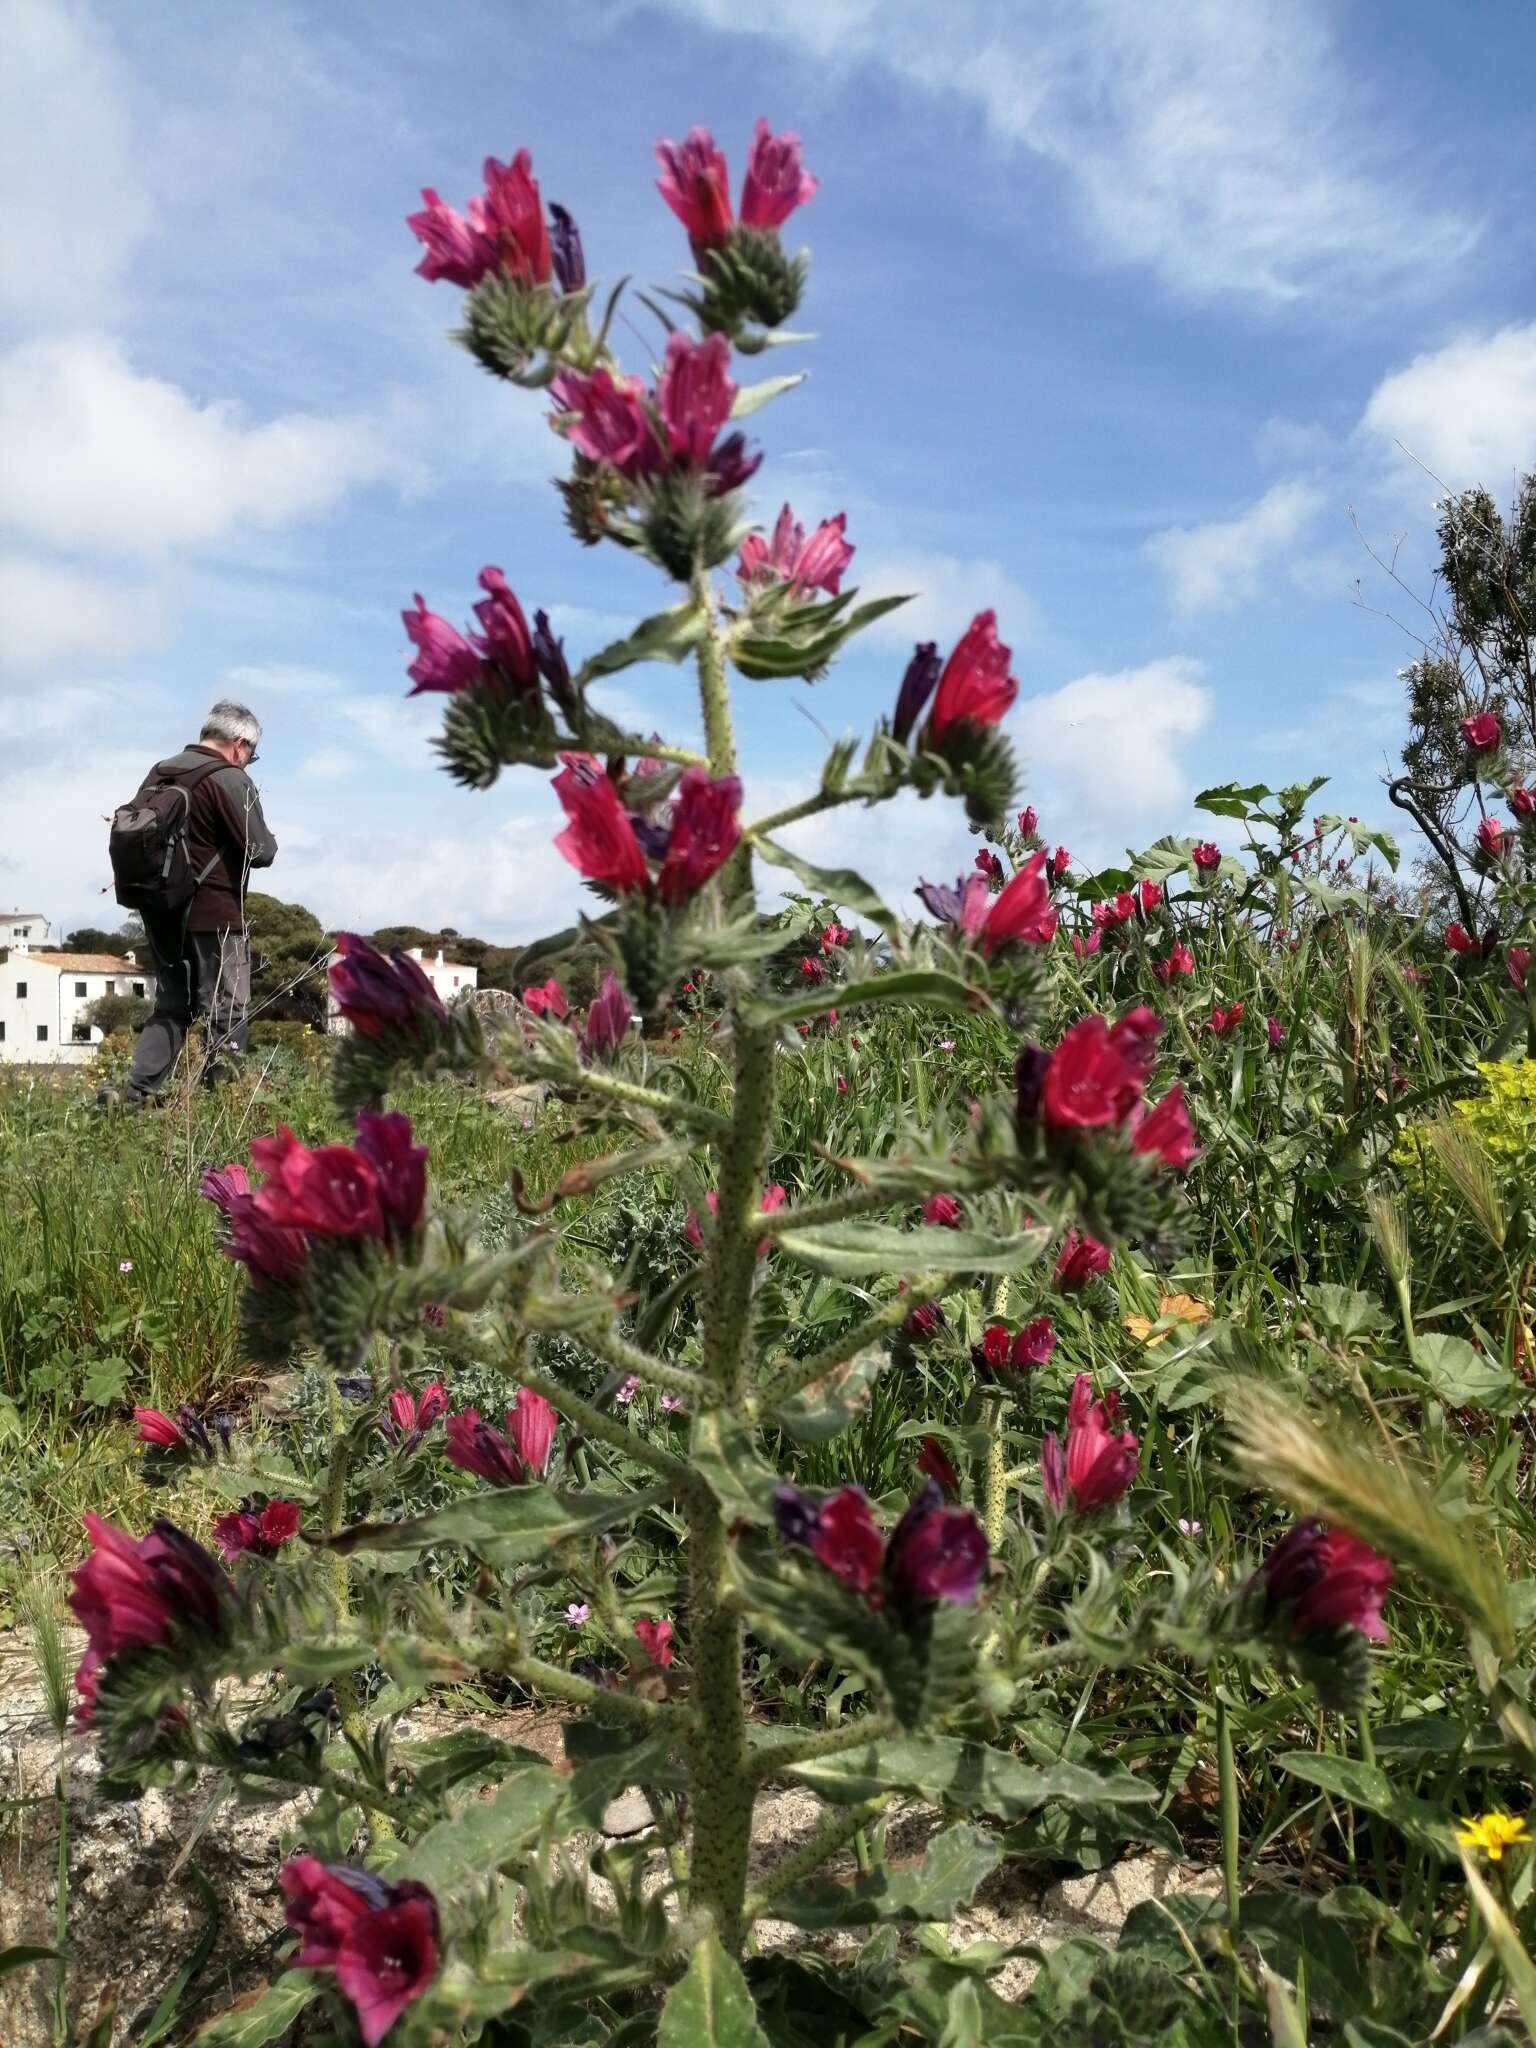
(1459, 940)
(1490, 840)
(608, 1018)
(1056, 867)
(410, 1414)
(1090, 1083)
(400, 1167)
(1166, 1132)
(1021, 914)
(776, 181)
(1100, 1462)
(976, 685)
(1482, 733)
(599, 842)
(444, 658)
(1275, 1033)
(381, 1939)
(379, 997)
(696, 185)
(655, 1638)
(330, 1192)
(1523, 802)
(132, 1594)
(1206, 856)
(606, 419)
(1517, 963)
(944, 1211)
(925, 1321)
(478, 1447)
(812, 970)
(706, 830)
(1325, 1578)
(846, 1539)
(933, 1462)
(1084, 948)
(157, 1428)
(834, 936)
(1180, 961)
(917, 686)
(546, 1000)
(936, 1553)
(1079, 1259)
(1225, 1022)
(263, 1531)
(1034, 1344)
(988, 864)
(1028, 821)
(1149, 895)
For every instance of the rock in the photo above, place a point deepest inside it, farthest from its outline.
(629, 1814)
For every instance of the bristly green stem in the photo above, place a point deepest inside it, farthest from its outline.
(566, 1685)
(595, 1422)
(714, 691)
(790, 1376)
(613, 1088)
(836, 1830)
(774, 1757)
(836, 1209)
(332, 1509)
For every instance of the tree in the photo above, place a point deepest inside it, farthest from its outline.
(289, 947)
(116, 1014)
(90, 938)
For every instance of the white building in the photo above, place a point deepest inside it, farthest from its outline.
(44, 995)
(451, 978)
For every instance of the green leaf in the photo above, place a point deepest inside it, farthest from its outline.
(23, 1952)
(1344, 1310)
(1106, 883)
(1329, 895)
(839, 885)
(1232, 800)
(1362, 837)
(721, 1451)
(443, 1761)
(665, 636)
(1163, 858)
(711, 2007)
(105, 1379)
(1463, 1376)
(260, 2019)
(263, 1472)
(606, 1760)
(954, 1864)
(826, 1407)
(857, 1251)
(511, 1523)
(750, 398)
(1367, 1785)
(460, 1853)
(927, 986)
(971, 1775)
(803, 645)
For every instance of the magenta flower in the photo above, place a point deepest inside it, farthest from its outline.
(1482, 733)
(1207, 856)
(834, 936)
(1517, 963)
(457, 251)
(608, 1018)
(696, 185)
(1225, 1022)
(655, 1638)
(1079, 1259)
(607, 420)
(400, 1169)
(1490, 840)
(475, 1446)
(976, 686)
(776, 181)
(1100, 1462)
(1029, 821)
(547, 999)
(846, 1539)
(379, 998)
(934, 1463)
(504, 636)
(817, 563)
(1166, 1133)
(135, 1593)
(1022, 913)
(705, 832)
(1523, 803)
(380, 1939)
(1324, 1578)
(695, 395)
(944, 1211)
(262, 1533)
(444, 658)
(1274, 1032)
(936, 1553)
(599, 841)
(512, 215)
(531, 1423)
(409, 1415)
(1179, 961)
(158, 1428)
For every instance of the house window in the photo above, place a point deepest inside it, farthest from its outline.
(82, 1032)
(42, 1034)
(111, 988)
(21, 991)
(80, 988)
(138, 988)
(2, 1031)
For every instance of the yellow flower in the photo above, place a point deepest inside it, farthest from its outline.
(1180, 1308)
(1493, 1833)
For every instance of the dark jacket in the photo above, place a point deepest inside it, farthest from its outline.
(225, 827)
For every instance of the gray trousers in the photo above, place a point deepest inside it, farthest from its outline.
(198, 975)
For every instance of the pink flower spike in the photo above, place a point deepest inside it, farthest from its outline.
(695, 184)
(444, 658)
(776, 181)
(695, 395)
(655, 1638)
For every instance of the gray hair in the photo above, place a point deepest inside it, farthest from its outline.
(231, 721)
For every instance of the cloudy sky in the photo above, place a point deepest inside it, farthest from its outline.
(1136, 323)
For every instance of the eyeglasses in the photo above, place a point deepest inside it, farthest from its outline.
(252, 757)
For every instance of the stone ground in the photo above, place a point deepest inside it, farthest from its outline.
(135, 1917)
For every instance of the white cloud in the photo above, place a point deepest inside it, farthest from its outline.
(1221, 565)
(99, 455)
(1221, 146)
(947, 592)
(330, 764)
(1466, 411)
(1102, 755)
(77, 205)
(52, 613)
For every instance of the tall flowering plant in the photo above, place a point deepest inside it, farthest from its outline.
(426, 1902)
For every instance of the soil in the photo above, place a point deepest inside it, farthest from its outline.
(136, 1915)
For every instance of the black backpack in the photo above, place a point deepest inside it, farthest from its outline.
(151, 867)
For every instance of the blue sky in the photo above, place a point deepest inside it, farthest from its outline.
(1127, 316)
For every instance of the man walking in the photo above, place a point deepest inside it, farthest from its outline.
(201, 952)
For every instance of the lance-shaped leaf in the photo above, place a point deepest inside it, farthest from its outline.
(802, 642)
(750, 398)
(1425, 1825)
(606, 1759)
(828, 1405)
(849, 891)
(954, 1864)
(711, 2007)
(970, 1775)
(665, 636)
(262, 1472)
(860, 1251)
(263, 2016)
(459, 1853)
(929, 987)
(511, 1524)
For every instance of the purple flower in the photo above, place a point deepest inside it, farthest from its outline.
(917, 686)
(399, 1166)
(608, 1018)
(475, 1446)
(1324, 1578)
(377, 997)
(936, 1553)
(565, 250)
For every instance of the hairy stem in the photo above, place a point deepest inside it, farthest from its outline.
(836, 1209)
(835, 1831)
(566, 1685)
(721, 1790)
(614, 1088)
(714, 691)
(800, 1749)
(332, 1510)
(791, 1376)
(596, 1422)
